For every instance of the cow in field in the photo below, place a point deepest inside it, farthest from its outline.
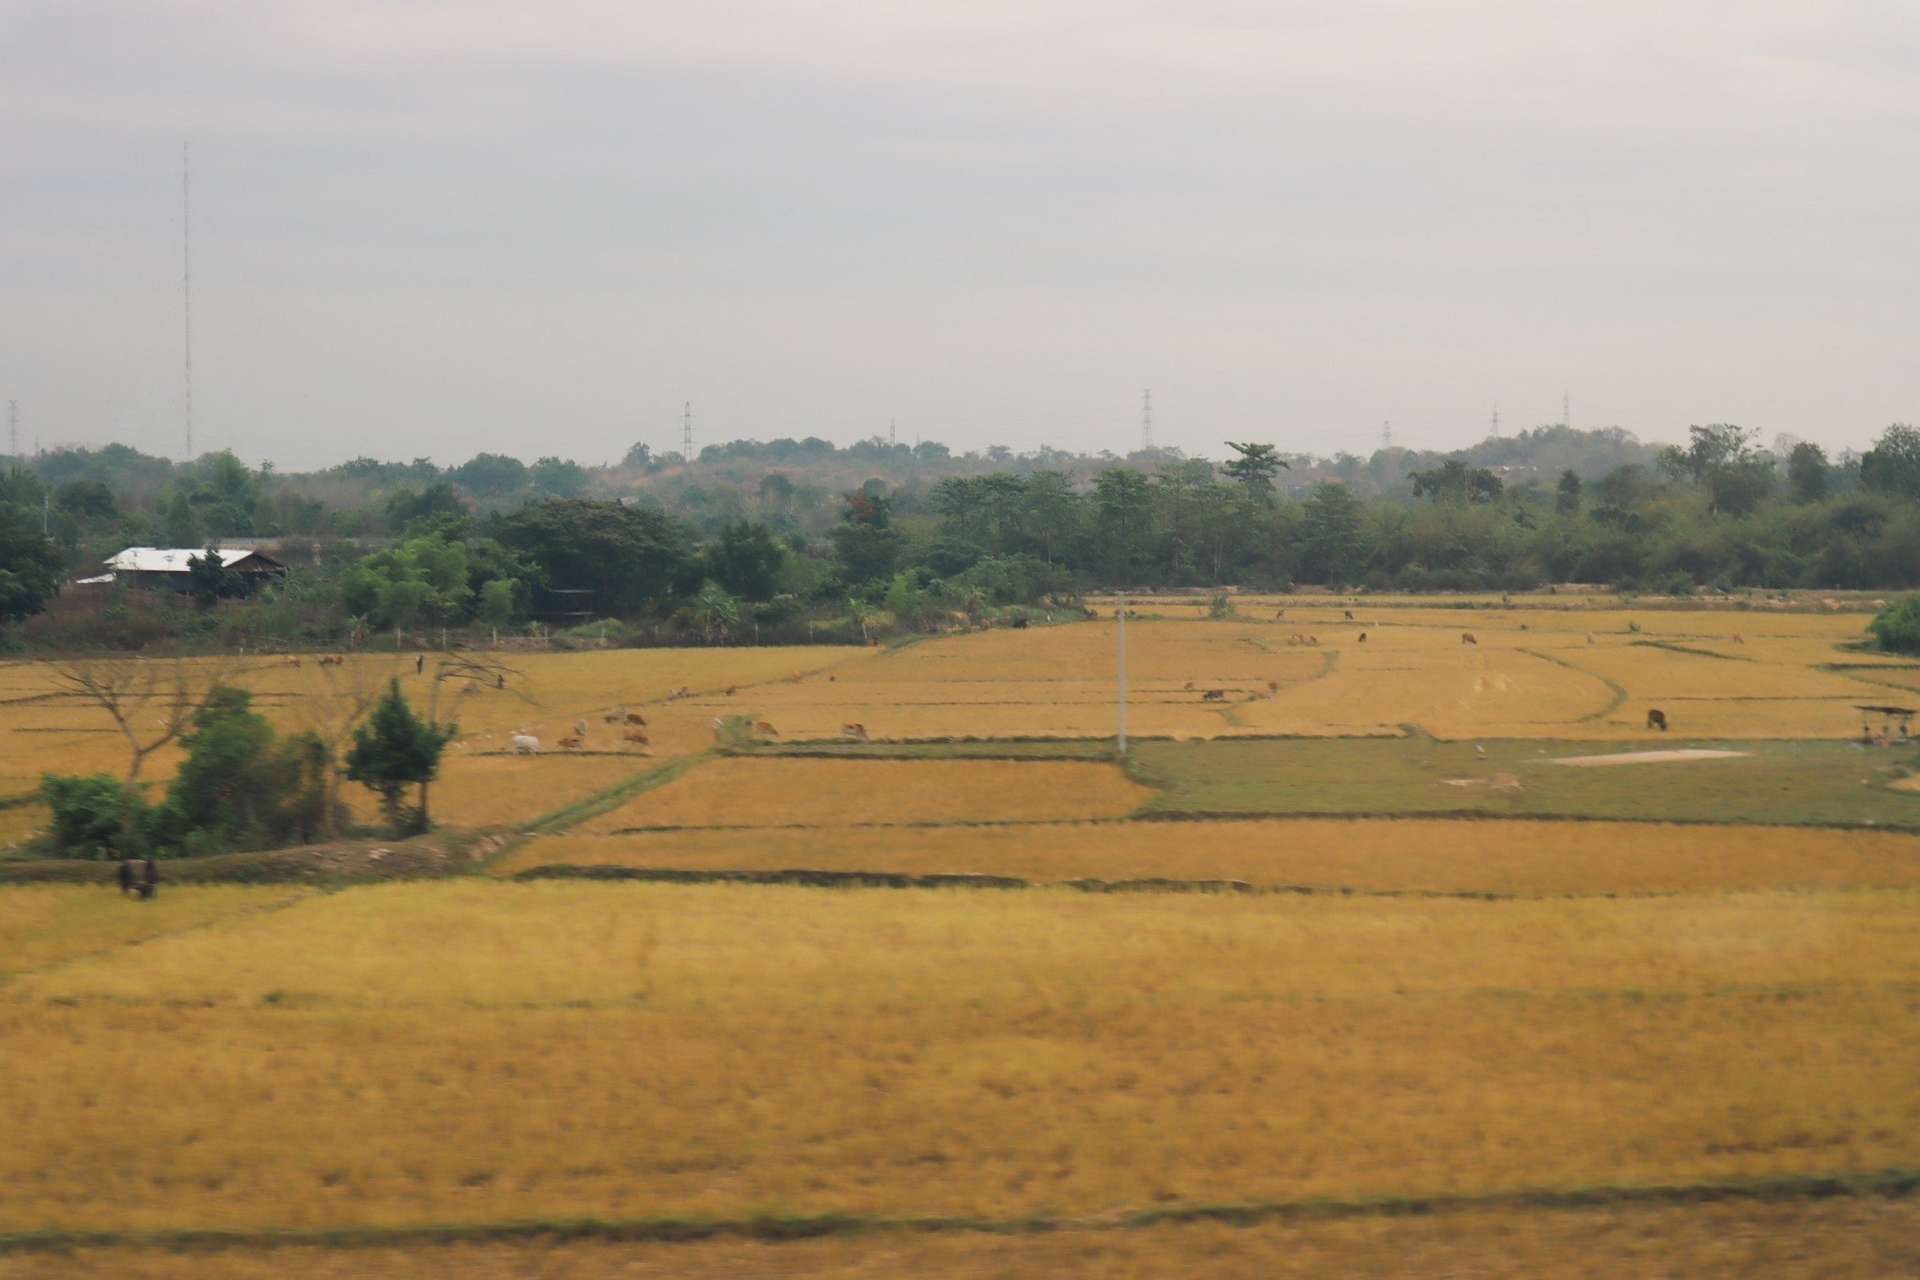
(634, 717)
(580, 728)
(1020, 623)
(636, 736)
(615, 716)
(1349, 614)
(570, 744)
(1363, 637)
(1467, 637)
(762, 726)
(1214, 695)
(525, 744)
(856, 731)
(1657, 719)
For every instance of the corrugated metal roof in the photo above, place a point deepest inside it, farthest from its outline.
(170, 559)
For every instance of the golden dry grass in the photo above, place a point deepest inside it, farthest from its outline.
(1518, 857)
(478, 1051)
(42, 925)
(781, 791)
(1830, 1240)
(504, 790)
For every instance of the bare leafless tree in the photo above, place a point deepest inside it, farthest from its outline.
(151, 700)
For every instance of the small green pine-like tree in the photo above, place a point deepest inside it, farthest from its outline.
(396, 749)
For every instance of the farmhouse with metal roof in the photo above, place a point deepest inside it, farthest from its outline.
(166, 567)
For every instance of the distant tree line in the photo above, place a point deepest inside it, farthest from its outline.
(750, 542)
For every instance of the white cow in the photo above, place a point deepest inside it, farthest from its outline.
(525, 744)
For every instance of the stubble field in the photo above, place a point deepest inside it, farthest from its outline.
(1590, 1017)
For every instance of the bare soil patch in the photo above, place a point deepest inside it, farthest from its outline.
(1648, 757)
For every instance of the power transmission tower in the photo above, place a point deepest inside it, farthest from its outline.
(1566, 411)
(13, 431)
(1386, 434)
(893, 436)
(186, 279)
(1496, 422)
(1146, 419)
(686, 431)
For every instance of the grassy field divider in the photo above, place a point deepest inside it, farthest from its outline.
(816, 878)
(775, 1228)
(613, 797)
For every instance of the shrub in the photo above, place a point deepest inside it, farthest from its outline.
(1897, 627)
(95, 816)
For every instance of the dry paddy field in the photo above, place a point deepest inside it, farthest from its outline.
(1596, 1047)
(476, 1052)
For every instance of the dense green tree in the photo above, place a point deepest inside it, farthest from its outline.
(1893, 464)
(865, 542)
(209, 581)
(396, 749)
(490, 475)
(746, 559)
(1123, 516)
(29, 565)
(1332, 548)
(1455, 481)
(1255, 469)
(558, 477)
(1808, 473)
(630, 558)
(1566, 495)
(409, 508)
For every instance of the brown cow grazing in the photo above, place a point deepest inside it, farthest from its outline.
(1189, 684)
(570, 744)
(1349, 614)
(293, 662)
(1314, 641)
(1737, 639)
(730, 689)
(1657, 719)
(1214, 695)
(854, 731)
(615, 716)
(1020, 623)
(580, 729)
(762, 726)
(636, 736)
(1363, 637)
(634, 717)
(1466, 637)
(1273, 686)
(1279, 614)
(419, 663)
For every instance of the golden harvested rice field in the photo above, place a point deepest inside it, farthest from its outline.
(1439, 856)
(783, 792)
(1626, 1003)
(480, 1051)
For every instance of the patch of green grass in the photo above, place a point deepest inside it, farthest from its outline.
(1803, 783)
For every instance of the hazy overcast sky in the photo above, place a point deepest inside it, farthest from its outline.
(434, 228)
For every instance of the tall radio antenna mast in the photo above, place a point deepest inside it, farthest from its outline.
(1146, 419)
(686, 431)
(186, 279)
(1566, 411)
(13, 432)
(1496, 421)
